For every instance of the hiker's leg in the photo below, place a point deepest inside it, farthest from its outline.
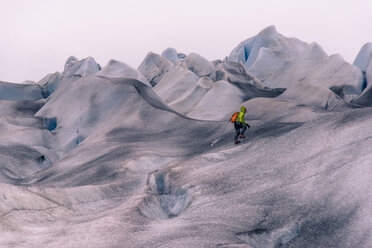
(237, 130)
(244, 128)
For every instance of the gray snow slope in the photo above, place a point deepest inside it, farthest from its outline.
(118, 157)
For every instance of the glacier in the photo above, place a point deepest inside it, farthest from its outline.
(279, 61)
(115, 156)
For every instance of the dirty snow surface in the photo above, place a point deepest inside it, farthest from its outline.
(120, 157)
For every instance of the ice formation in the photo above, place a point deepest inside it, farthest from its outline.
(119, 157)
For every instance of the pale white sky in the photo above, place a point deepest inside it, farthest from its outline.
(36, 36)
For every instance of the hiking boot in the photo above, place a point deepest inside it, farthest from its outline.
(236, 141)
(242, 136)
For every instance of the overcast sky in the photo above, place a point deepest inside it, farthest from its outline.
(36, 36)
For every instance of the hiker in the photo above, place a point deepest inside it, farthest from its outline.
(240, 125)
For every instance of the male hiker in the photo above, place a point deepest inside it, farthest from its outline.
(239, 124)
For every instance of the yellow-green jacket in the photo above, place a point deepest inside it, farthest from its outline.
(240, 117)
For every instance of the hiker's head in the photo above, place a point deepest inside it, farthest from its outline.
(243, 109)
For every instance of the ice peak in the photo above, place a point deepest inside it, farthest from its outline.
(82, 68)
(269, 29)
(316, 48)
(364, 56)
(269, 32)
(71, 59)
(113, 62)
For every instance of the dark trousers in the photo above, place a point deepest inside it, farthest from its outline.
(239, 129)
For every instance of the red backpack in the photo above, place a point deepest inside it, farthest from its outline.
(234, 117)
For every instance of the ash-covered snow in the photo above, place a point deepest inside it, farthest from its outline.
(98, 157)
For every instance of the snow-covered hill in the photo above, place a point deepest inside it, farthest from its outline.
(117, 157)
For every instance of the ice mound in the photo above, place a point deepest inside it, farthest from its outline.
(154, 67)
(311, 95)
(199, 65)
(278, 61)
(81, 68)
(50, 83)
(18, 92)
(364, 62)
(172, 55)
(117, 69)
(175, 83)
(364, 57)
